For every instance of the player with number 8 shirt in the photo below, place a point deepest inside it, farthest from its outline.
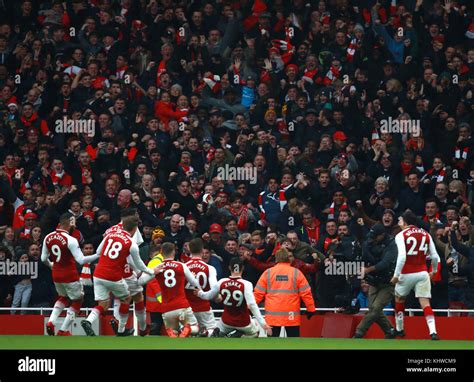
(415, 245)
(172, 276)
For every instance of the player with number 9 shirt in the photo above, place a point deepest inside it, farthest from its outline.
(61, 252)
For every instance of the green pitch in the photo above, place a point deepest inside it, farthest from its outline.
(108, 342)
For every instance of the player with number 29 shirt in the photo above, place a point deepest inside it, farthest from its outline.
(238, 298)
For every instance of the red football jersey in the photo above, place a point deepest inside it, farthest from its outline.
(57, 244)
(137, 237)
(172, 280)
(205, 275)
(232, 291)
(113, 256)
(416, 243)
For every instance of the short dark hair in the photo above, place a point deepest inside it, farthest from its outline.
(130, 222)
(65, 218)
(236, 265)
(409, 217)
(167, 249)
(196, 245)
(128, 212)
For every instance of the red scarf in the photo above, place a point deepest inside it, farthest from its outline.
(161, 69)
(313, 233)
(331, 75)
(185, 168)
(210, 155)
(351, 49)
(414, 145)
(327, 242)
(243, 215)
(332, 209)
(375, 136)
(406, 168)
(439, 174)
(86, 275)
(427, 218)
(310, 76)
(161, 203)
(83, 178)
(460, 155)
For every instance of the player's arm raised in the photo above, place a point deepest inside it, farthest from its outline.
(401, 258)
(45, 256)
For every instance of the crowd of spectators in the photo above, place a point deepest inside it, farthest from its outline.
(178, 94)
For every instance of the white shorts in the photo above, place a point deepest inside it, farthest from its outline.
(419, 281)
(133, 287)
(206, 320)
(249, 330)
(183, 316)
(103, 288)
(73, 291)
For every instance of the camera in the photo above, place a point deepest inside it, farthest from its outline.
(347, 304)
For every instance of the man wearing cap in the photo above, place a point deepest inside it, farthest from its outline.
(379, 254)
(339, 138)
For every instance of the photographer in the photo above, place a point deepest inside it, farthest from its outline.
(380, 254)
(464, 268)
(337, 282)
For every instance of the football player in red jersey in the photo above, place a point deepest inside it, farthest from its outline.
(172, 276)
(115, 250)
(238, 298)
(130, 277)
(60, 252)
(414, 246)
(206, 276)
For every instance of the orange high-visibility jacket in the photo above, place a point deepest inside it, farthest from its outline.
(283, 287)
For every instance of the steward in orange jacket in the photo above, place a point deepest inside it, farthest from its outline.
(283, 287)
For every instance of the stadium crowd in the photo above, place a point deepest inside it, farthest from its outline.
(250, 124)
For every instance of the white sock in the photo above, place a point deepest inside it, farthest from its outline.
(141, 318)
(399, 320)
(70, 316)
(116, 309)
(430, 320)
(57, 310)
(123, 318)
(93, 315)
